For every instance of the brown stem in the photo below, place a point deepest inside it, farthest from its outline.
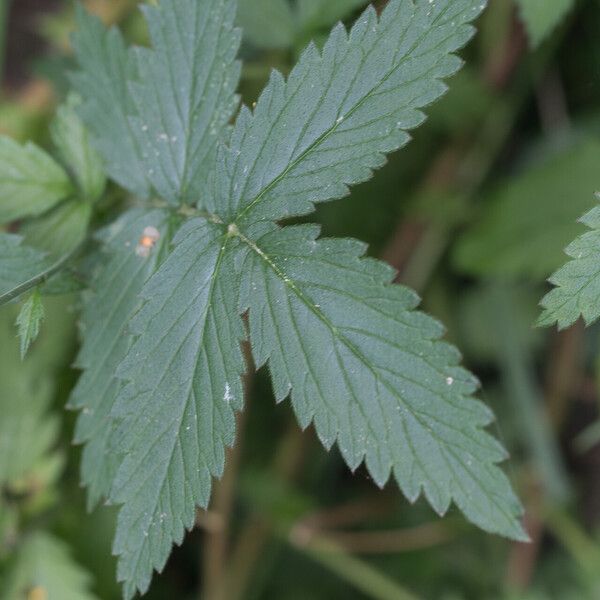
(552, 103)
(522, 558)
(563, 374)
(257, 530)
(217, 521)
(217, 524)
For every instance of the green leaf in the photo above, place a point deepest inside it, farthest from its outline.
(185, 95)
(72, 141)
(315, 14)
(530, 218)
(267, 23)
(370, 371)
(541, 17)
(31, 181)
(19, 265)
(106, 67)
(150, 133)
(44, 564)
(106, 341)
(331, 123)
(29, 320)
(63, 282)
(183, 383)
(577, 291)
(60, 230)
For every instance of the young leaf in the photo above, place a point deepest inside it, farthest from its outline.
(71, 139)
(106, 67)
(177, 406)
(106, 340)
(29, 320)
(185, 94)
(541, 17)
(44, 568)
(20, 266)
(331, 123)
(371, 373)
(31, 181)
(577, 291)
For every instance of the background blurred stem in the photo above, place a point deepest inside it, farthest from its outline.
(216, 545)
(214, 552)
(257, 530)
(394, 540)
(582, 548)
(563, 372)
(354, 571)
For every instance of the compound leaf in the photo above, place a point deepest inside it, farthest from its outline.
(331, 123)
(176, 407)
(31, 181)
(373, 374)
(577, 291)
(106, 67)
(370, 371)
(108, 307)
(185, 94)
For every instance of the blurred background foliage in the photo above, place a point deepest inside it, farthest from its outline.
(474, 214)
